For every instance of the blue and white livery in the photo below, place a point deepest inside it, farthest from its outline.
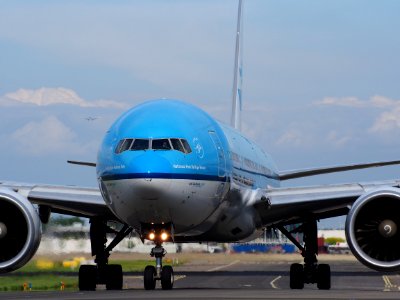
(181, 167)
(169, 172)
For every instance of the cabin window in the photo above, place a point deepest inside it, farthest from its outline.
(160, 144)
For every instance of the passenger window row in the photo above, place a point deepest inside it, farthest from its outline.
(153, 144)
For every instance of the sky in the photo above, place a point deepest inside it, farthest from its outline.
(320, 79)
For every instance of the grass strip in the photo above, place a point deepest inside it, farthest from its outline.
(57, 266)
(36, 278)
(37, 283)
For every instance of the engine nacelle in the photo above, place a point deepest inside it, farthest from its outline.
(373, 229)
(20, 230)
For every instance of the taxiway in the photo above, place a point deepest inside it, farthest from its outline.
(244, 280)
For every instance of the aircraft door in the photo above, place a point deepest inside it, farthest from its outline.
(220, 151)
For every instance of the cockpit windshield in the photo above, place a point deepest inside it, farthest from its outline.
(161, 144)
(177, 145)
(164, 144)
(140, 144)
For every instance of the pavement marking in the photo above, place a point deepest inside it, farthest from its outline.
(224, 266)
(272, 283)
(388, 284)
(398, 277)
(133, 277)
(176, 277)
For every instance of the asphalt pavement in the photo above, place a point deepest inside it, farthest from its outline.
(243, 280)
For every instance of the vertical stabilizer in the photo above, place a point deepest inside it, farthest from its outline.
(237, 74)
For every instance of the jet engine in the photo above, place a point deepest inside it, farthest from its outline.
(20, 230)
(373, 229)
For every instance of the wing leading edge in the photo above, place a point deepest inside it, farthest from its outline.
(81, 163)
(281, 206)
(286, 175)
(70, 200)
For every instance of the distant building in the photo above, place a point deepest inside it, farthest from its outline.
(332, 233)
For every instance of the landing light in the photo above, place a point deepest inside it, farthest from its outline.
(164, 236)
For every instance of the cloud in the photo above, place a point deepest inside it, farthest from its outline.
(377, 101)
(381, 101)
(338, 140)
(52, 96)
(387, 121)
(345, 101)
(45, 137)
(293, 137)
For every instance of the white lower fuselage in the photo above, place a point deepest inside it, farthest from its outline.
(182, 202)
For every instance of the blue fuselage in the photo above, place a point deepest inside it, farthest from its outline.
(169, 161)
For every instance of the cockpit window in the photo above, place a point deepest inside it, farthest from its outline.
(177, 145)
(186, 146)
(140, 144)
(126, 145)
(156, 144)
(123, 145)
(118, 148)
(160, 144)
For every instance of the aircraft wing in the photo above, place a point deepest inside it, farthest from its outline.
(70, 200)
(281, 206)
(292, 174)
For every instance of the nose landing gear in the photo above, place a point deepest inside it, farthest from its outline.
(163, 273)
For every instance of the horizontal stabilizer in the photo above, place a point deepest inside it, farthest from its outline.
(285, 175)
(81, 163)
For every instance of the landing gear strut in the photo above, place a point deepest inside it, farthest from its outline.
(163, 273)
(311, 271)
(102, 272)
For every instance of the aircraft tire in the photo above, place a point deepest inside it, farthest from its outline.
(114, 279)
(167, 278)
(296, 276)
(87, 277)
(324, 277)
(149, 279)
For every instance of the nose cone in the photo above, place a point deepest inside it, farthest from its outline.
(147, 168)
(147, 189)
(148, 162)
(139, 188)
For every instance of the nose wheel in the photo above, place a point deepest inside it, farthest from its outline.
(163, 273)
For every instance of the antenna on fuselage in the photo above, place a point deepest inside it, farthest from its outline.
(237, 74)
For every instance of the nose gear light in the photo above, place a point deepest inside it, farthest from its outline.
(164, 236)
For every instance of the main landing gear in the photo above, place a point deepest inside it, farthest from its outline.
(102, 272)
(311, 271)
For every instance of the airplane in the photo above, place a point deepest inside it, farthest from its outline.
(91, 118)
(170, 172)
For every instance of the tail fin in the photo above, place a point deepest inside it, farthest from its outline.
(237, 72)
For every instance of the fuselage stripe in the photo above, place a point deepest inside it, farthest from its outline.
(163, 176)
